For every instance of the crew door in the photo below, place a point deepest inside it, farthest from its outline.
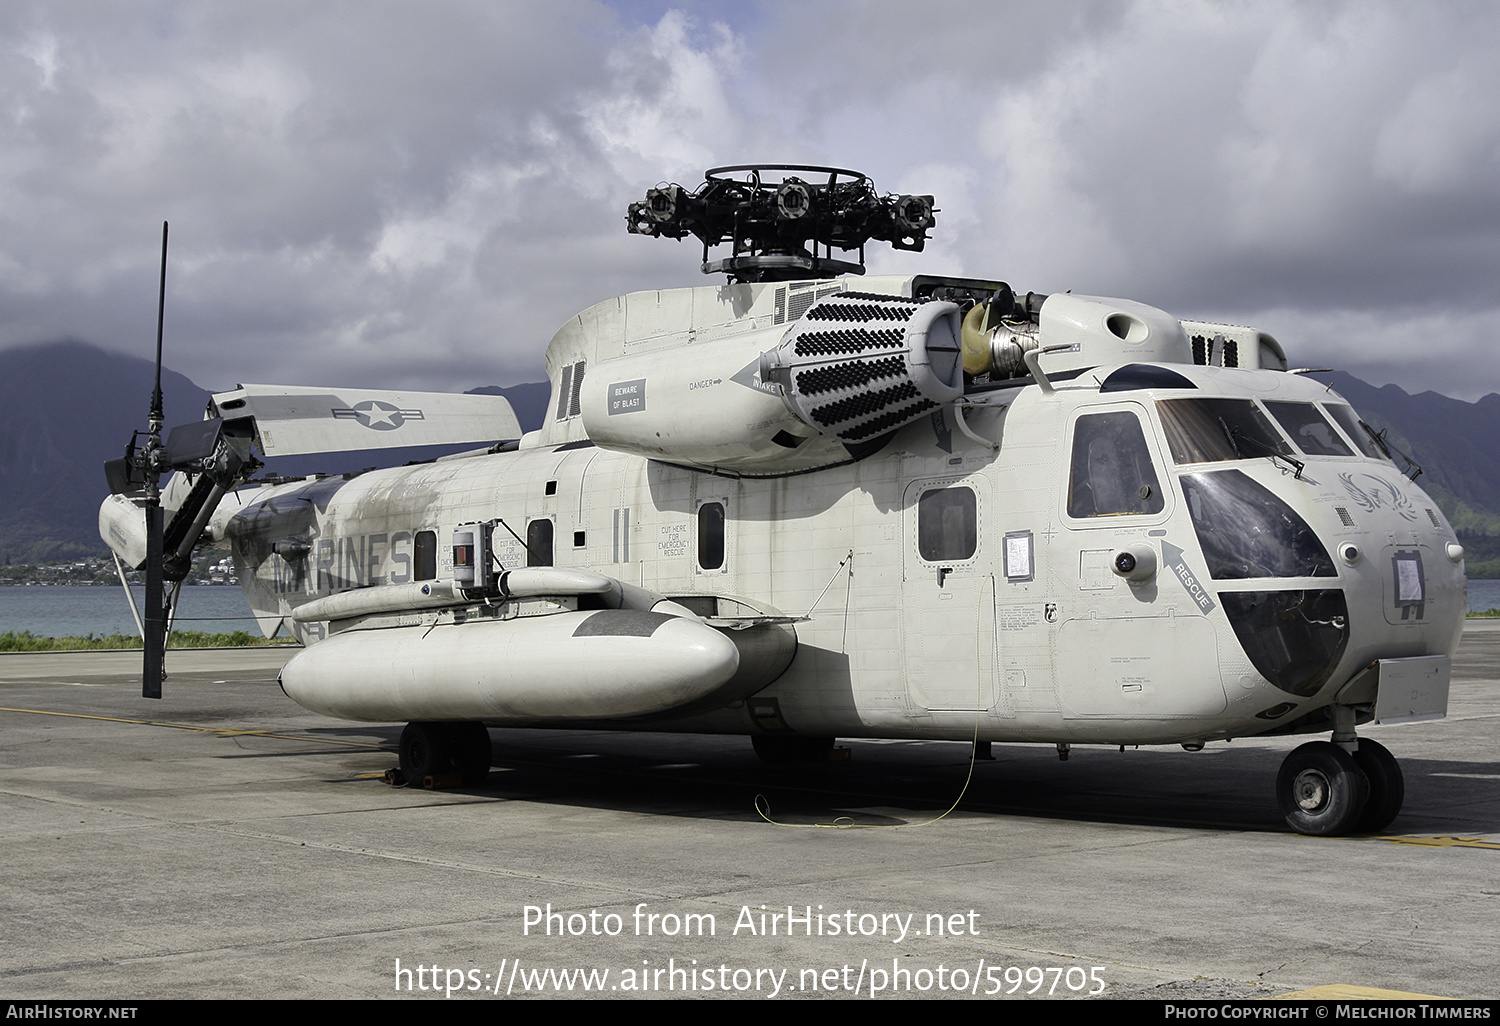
(948, 601)
(1127, 648)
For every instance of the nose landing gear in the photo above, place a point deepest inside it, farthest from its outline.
(1325, 790)
(1387, 786)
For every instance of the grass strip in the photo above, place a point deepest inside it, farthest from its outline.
(25, 641)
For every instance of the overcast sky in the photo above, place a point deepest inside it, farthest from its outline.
(418, 194)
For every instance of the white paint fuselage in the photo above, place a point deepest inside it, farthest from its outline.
(1053, 647)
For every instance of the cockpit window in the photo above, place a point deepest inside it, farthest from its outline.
(1112, 472)
(1247, 532)
(1355, 429)
(1294, 638)
(1309, 429)
(1218, 430)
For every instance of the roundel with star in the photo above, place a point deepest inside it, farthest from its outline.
(377, 414)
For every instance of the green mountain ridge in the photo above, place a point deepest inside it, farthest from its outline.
(1457, 445)
(69, 406)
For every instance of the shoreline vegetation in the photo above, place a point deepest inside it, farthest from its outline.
(25, 641)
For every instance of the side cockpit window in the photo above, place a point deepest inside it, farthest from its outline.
(1112, 473)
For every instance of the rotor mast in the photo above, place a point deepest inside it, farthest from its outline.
(783, 226)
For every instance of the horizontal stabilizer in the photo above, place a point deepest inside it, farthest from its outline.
(292, 420)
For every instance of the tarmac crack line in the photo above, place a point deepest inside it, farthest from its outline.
(362, 852)
(128, 960)
(217, 731)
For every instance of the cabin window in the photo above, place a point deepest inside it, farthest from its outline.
(539, 543)
(947, 524)
(425, 552)
(1112, 474)
(711, 536)
(1309, 429)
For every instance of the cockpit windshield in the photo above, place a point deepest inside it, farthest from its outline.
(1309, 429)
(1355, 429)
(1218, 430)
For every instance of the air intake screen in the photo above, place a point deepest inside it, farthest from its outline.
(857, 366)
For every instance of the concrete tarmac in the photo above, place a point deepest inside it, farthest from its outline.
(224, 843)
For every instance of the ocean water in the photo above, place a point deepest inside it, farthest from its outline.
(1483, 595)
(77, 611)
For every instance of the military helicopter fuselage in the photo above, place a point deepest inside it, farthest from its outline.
(899, 507)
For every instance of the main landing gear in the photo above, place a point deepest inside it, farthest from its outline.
(780, 748)
(434, 753)
(1326, 789)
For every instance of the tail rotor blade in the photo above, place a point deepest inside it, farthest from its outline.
(216, 458)
(157, 415)
(153, 665)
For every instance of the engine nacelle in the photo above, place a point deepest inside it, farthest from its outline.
(701, 405)
(858, 366)
(1098, 331)
(853, 368)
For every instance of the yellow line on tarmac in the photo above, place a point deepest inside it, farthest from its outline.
(218, 731)
(1347, 992)
(1441, 841)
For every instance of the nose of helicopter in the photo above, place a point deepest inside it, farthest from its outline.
(1401, 564)
(1322, 573)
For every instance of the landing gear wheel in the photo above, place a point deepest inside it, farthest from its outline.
(1387, 786)
(426, 750)
(1321, 789)
(471, 752)
(779, 748)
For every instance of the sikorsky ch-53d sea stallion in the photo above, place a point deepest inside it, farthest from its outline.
(804, 503)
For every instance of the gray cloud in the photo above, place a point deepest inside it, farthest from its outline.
(417, 195)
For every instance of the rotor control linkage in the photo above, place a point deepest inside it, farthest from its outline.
(778, 221)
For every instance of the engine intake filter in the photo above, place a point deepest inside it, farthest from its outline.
(857, 365)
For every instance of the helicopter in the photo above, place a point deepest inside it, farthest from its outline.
(807, 503)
